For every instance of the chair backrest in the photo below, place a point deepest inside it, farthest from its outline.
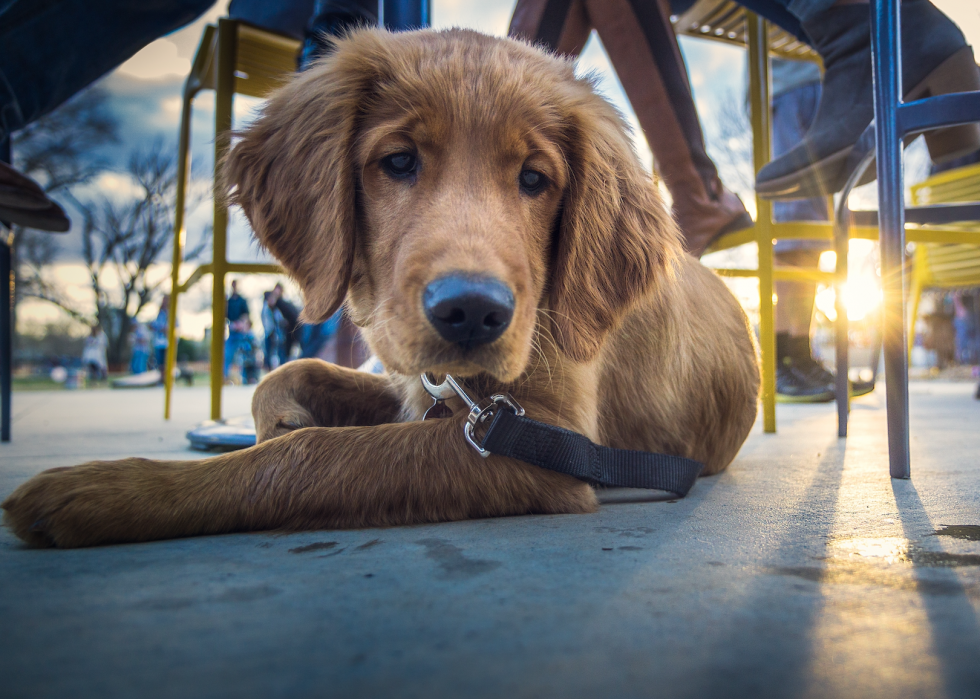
(263, 60)
(949, 266)
(952, 186)
(724, 20)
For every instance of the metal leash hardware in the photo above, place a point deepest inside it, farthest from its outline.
(480, 413)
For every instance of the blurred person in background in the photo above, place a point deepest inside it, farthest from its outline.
(966, 327)
(240, 341)
(160, 340)
(140, 358)
(94, 354)
(272, 322)
(290, 327)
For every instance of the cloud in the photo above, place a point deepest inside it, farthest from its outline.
(157, 60)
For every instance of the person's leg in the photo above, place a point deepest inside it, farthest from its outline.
(794, 306)
(289, 17)
(54, 48)
(935, 60)
(561, 26)
(640, 41)
(799, 378)
(232, 343)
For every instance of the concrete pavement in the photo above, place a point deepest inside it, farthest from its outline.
(802, 571)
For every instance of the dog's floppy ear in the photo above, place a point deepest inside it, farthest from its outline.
(293, 172)
(616, 238)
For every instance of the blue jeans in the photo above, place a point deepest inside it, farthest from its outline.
(139, 361)
(792, 114)
(52, 49)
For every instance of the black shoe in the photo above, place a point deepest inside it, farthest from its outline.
(813, 371)
(793, 387)
(935, 60)
(318, 41)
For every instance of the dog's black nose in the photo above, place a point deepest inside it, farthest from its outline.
(468, 310)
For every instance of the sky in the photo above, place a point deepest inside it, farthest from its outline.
(145, 95)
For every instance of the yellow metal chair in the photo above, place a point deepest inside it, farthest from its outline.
(233, 58)
(945, 265)
(726, 21)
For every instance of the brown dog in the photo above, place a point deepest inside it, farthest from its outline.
(483, 214)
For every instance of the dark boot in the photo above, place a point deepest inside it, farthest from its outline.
(935, 60)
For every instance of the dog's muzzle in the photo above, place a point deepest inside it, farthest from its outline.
(468, 310)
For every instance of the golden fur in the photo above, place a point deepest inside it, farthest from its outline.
(616, 333)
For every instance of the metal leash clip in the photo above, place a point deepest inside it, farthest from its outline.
(480, 413)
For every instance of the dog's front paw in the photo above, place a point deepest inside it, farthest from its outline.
(81, 506)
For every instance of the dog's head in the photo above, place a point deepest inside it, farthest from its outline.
(457, 189)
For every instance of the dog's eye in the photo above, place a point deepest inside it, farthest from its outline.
(400, 164)
(532, 181)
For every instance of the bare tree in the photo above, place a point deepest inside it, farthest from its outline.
(121, 241)
(57, 151)
(731, 144)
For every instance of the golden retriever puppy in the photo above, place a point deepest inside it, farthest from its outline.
(483, 214)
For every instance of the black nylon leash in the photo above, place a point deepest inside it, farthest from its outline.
(510, 433)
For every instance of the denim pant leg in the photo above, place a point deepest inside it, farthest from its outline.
(52, 49)
(792, 114)
(234, 342)
(289, 17)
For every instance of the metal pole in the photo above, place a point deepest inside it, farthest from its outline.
(224, 97)
(841, 340)
(761, 153)
(6, 331)
(6, 313)
(183, 166)
(887, 61)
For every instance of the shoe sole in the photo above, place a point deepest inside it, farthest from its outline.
(958, 73)
(819, 398)
(52, 219)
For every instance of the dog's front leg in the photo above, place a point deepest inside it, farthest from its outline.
(311, 478)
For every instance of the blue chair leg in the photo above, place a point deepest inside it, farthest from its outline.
(886, 53)
(6, 315)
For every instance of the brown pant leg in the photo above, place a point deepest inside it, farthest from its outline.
(641, 43)
(643, 48)
(561, 26)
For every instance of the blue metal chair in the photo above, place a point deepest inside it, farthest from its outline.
(895, 119)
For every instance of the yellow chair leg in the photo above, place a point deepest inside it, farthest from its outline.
(919, 267)
(758, 40)
(183, 158)
(224, 97)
